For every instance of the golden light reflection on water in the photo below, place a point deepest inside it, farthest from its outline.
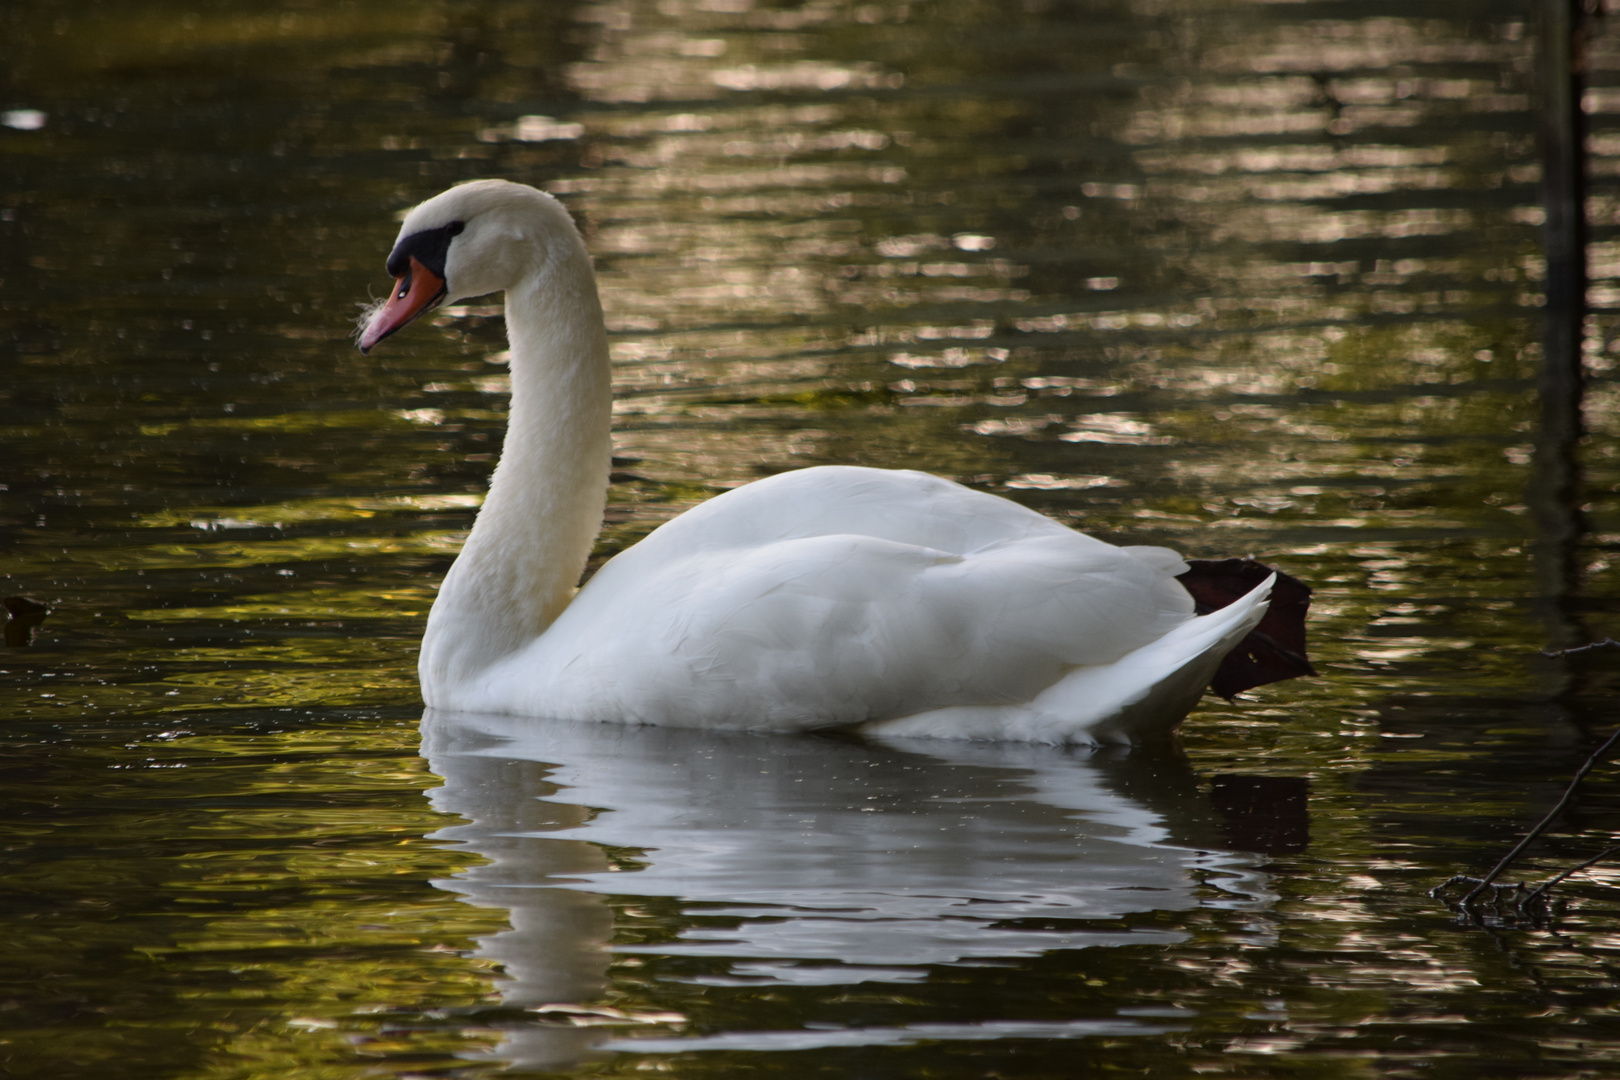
(207, 553)
(1255, 279)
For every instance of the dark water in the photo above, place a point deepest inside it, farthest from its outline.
(1241, 278)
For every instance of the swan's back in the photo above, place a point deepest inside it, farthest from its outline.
(898, 505)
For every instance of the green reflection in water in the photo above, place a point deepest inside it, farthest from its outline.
(170, 898)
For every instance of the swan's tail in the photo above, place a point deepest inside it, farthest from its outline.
(1138, 698)
(1189, 656)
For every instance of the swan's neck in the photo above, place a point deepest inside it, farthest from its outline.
(523, 559)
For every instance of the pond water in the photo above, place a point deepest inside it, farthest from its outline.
(1235, 277)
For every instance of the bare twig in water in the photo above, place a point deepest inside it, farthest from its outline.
(1525, 898)
(1518, 893)
(1541, 891)
(1606, 643)
(1544, 823)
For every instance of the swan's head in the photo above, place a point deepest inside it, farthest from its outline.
(480, 237)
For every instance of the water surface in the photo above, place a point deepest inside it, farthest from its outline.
(1238, 278)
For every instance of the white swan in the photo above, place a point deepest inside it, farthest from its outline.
(824, 597)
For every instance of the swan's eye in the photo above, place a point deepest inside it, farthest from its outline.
(429, 247)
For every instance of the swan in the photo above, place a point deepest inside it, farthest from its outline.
(835, 596)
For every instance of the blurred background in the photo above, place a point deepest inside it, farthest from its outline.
(1238, 277)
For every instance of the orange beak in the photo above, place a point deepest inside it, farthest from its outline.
(417, 290)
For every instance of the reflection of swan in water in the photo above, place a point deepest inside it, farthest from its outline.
(824, 861)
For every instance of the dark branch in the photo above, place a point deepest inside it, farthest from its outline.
(1541, 826)
(1593, 861)
(1606, 643)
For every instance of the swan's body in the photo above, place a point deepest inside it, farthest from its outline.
(825, 597)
